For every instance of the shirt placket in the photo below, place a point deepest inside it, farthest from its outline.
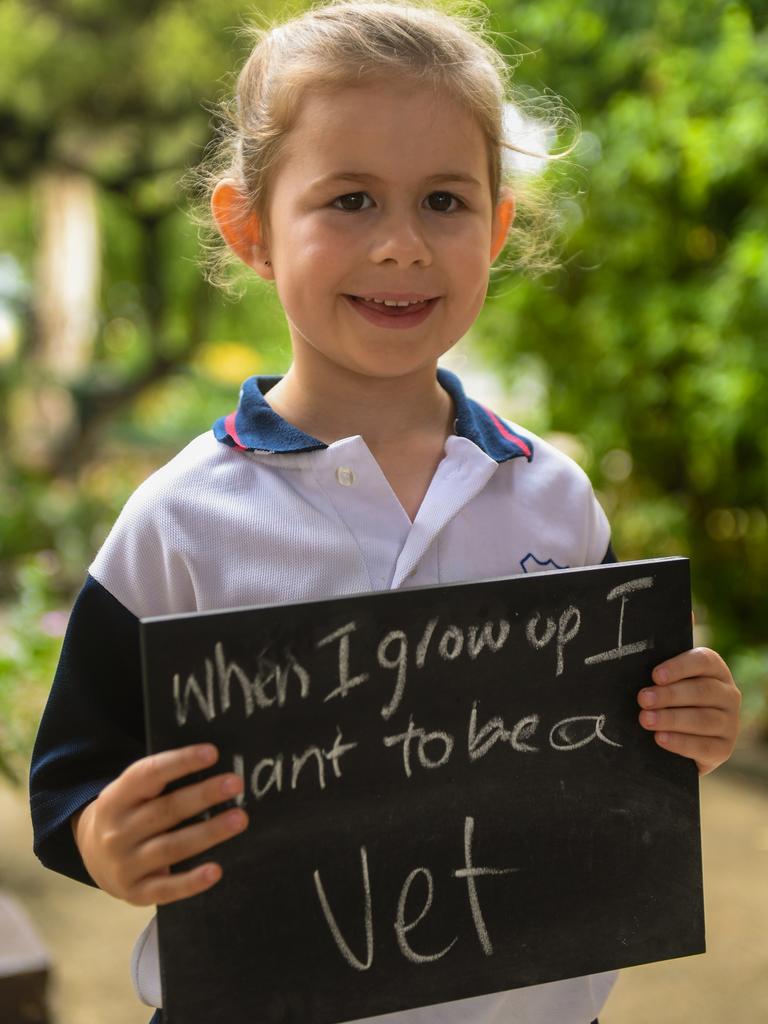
(463, 473)
(362, 498)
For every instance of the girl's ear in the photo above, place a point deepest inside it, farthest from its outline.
(502, 221)
(240, 229)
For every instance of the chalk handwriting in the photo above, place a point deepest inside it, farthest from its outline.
(559, 731)
(414, 732)
(423, 645)
(212, 693)
(567, 628)
(269, 686)
(539, 642)
(621, 650)
(285, 772)
(338, 938)
(479, 743)
(399, 662)
(392, 652)
(402, 929)
(268, 773)
(480, 637)
(451, 643)
(346, 683)
(469, 873)
(192, 689)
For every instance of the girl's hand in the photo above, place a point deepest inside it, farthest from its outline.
(125, 835)
(693, 708)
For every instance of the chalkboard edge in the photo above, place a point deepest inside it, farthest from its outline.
(152, 619)
(145, 677)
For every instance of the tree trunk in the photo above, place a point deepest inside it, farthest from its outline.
(64, 312)
(68, 277)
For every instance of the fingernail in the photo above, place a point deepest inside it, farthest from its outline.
(662, 737)
(661, 675)
(237, 820)
(649, 717)
(230, 785)
(648, 696)
(207, 754)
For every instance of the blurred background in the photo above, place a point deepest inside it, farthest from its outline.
(643, 357)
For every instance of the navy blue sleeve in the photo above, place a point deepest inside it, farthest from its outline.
(92, 727)
(610, 556)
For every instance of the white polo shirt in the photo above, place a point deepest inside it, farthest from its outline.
(257, 512)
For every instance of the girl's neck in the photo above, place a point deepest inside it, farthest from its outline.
(384, 411)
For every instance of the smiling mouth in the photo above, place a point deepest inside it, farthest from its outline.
(381, 307)
(393, 318)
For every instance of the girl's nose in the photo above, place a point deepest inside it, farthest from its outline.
(403, 239)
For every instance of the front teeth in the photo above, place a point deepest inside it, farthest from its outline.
(391, 302)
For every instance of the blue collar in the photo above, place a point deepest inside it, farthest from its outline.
(255, 426)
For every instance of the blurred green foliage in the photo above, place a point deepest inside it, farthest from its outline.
(643, 356)
(649, 343)
(32, 630)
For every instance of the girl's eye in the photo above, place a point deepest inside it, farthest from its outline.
(444, 197)
(349, 195)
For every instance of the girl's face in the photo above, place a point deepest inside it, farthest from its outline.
(381, 191)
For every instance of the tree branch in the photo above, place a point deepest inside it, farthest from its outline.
(97, 404)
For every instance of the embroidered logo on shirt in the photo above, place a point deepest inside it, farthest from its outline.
(533, 564)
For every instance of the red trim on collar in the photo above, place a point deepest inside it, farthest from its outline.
(229, 426)
(506, 434)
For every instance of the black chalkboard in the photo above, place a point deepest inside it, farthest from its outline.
(448, 788)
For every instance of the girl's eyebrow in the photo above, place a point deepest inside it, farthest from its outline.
(467, 179)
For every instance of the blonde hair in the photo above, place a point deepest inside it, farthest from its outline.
(444, 44)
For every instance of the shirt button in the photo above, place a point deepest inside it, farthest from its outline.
(345, 476)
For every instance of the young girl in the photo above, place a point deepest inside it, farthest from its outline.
(365, 181)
